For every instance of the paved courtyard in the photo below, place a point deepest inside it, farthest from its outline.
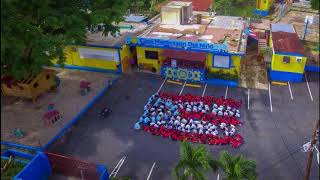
(276, 124)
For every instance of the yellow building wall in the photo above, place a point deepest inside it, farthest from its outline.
(294, 66)
(142, 60)
(125, 55)
(264, 4)
(235, 65)
(209, 64)
(96, 63)
(73, 58)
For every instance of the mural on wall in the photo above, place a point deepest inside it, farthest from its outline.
(183, 73)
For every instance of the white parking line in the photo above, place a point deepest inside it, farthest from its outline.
(162, 84)
(248, 98)
(182, 87)
(225, 96)
(308, 87)
(204, 90)
(270, 97)
(290, 90)
(151, 170)
(117, 168)
(218, 176)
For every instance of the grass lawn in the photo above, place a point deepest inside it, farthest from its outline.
(312, 52)
(11, 170)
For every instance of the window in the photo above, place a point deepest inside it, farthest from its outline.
(151, 54)
(173, 63)
(221, 61)
(108, 55)
(299, 59)
(286, 59)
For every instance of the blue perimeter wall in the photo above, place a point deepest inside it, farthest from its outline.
(285, 76)
(312, 68)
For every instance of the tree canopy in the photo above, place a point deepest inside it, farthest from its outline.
(315, 4)
(194, 162)
(35, 32)
(234, 7)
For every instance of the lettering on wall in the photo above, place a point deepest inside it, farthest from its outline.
(185, 45)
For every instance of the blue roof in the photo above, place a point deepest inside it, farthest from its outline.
(282, 27)
(134, 18)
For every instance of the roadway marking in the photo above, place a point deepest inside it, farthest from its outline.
(117, 168)
(225, 96)
(162, 84)
(308, 87)
(290, 90)
(204, 90)
(182, 88)
(218, 176)
(270, 97)
(248, 98)
(151, 170)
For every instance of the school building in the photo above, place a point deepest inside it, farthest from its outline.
(288, 58)
(192, 48)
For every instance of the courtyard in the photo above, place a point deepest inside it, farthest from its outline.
(276, 123)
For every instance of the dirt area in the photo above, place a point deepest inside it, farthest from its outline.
(297, 19)
(253, 73)
(26, 115)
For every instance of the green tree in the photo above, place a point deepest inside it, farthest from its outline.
(194, 162)
(315, 4)
(237, 167)
(223, 7)
(35, 32)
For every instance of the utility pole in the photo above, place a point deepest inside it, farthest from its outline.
(310, 151)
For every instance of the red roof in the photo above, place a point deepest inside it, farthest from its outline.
(287, 42)
(200, 5)
(184, 55)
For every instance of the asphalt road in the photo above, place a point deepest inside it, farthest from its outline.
(274, 139)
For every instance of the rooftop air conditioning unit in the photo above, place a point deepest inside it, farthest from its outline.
(176, 12)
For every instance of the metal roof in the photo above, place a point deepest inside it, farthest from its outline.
(227, 22)
(135, 18)
(284, 42)
(282, 27)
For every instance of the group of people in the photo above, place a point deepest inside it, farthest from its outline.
(199, 118)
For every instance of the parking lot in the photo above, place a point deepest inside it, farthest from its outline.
(276, 123)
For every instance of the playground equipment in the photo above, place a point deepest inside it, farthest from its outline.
(51, 117)
(31, 86)
(84, 87)
(18, 133)
(104, 113)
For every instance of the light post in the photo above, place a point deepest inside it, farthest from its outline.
(308, 20)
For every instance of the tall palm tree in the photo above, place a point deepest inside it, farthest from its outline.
(194, 162)
(237, 167)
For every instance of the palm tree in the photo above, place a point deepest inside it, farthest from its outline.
(237, 167)
(194, 162)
